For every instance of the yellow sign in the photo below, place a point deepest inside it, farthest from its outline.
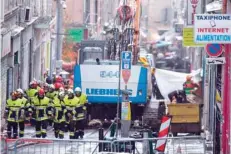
(126, 111)
(188, 38)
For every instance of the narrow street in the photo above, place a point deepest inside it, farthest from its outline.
(154, 75)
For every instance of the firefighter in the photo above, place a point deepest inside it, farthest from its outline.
(40, 104)
(81, 112)
(51, 92)
(25, 104)
(59, 120)
(46, 88)
(70, 112)
(32, 91)
(14, 111)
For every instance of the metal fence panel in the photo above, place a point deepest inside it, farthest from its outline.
(56, 146)
(174, 145)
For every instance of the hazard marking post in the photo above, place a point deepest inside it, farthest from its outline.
(126, 65)
(163, 133)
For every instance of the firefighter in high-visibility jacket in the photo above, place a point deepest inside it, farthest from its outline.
(31, 93)
(51, 92)
(59, 119)
(81, 112)
(71, 102)
(40, 105)
(25, 104)
(14, 111)
(33, 89)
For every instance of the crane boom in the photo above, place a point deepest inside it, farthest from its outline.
(137, 31)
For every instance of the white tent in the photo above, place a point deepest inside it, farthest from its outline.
(169, 81)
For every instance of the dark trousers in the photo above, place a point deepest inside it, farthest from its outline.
(14, 126)
(21, 128)
(59, 129)
(32, 121)
(41, 127)
(50, 122)
(71, 129)
(79, 129)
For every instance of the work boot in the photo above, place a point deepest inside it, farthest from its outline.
(71, 137)
(15, 136)
(81, 134)
(56, 134)
(38, 135)
(9, 135)
(77, 135)
(44, 135)
(61, 136)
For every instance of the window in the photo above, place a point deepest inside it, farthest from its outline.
(16, 58)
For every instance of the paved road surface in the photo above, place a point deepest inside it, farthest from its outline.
(87, 147)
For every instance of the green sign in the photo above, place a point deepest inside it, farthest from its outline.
(75, 35)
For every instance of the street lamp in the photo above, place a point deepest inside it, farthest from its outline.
(60, 4)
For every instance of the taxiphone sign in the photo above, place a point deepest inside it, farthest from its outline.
(212, 28)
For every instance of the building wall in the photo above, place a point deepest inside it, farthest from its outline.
(74, 11)
(20, 74)
(4, 68)
(25, 56)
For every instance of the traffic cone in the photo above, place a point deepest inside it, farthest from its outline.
(178, 150)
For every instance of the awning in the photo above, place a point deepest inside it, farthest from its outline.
(214, 6)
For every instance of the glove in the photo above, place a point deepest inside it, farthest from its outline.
(22, 117)
(69, 115)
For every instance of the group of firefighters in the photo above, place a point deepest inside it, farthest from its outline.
(47, 104)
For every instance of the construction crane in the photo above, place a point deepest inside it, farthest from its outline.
(136, 24)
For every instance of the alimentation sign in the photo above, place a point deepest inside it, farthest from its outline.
(212, 28)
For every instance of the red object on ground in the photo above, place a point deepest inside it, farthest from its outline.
(163, 133)
(30, 140)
